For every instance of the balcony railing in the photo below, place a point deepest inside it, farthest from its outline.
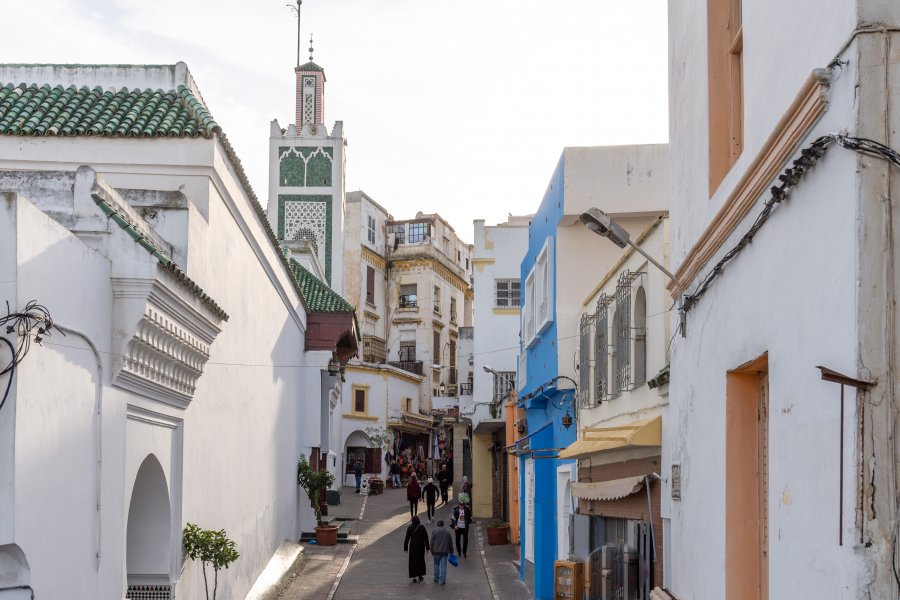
(410, 366)
(409, 301)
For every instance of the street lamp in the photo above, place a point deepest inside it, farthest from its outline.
(441, 389)
(603, 225)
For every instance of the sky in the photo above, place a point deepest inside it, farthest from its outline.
(460, 108)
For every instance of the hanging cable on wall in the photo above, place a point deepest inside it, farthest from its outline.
(33, 323)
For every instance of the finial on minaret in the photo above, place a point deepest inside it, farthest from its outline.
(310, 47)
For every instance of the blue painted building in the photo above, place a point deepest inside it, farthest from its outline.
(563, 265)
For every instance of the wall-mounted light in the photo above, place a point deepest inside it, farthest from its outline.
(567, 419)
(442, 389)
(334, 367)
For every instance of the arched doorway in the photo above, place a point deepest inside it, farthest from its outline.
(148, 555)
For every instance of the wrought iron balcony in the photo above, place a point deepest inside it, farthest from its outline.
(465, 389)
(410, 366)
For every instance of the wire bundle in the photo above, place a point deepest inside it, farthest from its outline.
(33, 323)
(789, 178)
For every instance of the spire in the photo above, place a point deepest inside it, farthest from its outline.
(310, 47)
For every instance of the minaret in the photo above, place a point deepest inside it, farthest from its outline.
(306, 178)
(310, 94)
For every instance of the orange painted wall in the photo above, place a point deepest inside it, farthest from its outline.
(512, 415)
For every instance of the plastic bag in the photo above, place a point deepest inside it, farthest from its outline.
(454, 560)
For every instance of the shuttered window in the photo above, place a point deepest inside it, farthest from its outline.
(370, 284)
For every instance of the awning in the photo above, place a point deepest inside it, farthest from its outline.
(608, 490)
(411, 423)
(489, 426)
(647, 432)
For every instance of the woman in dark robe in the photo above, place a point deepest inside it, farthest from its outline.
(416, 543)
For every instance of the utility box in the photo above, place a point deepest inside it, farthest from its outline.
(568, 580)
(333, 497)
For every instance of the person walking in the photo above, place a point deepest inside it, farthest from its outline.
(430, 491)
(394, 472)
(416, 544)
(461, 523)
(444, 482)
(357, 472)
(441, 547)
(413, 494)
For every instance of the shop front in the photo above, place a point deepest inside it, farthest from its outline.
(618, 490)
(413, 446)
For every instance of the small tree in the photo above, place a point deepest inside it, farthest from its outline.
(314, 483)
(212, 547)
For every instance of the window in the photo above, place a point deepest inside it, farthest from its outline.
(360, 400)
(504, 381)
(506, 293)
(725, 53)
(467, 264)
(640, 337)
(407, 351)
(601, 351)
(370, 229)
(419, 232)
(370, 284)
(459, 256)
(446, 245)
(584, 359)
(399, 231)
(453, 310)
(453, 378)
(408, 297)
(407, 405)
(538, 308)
(436, 348)
(437, 299)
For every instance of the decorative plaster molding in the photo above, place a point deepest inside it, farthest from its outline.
(372, 258)
(807, 107)
(163, 339)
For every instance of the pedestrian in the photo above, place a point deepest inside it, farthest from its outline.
(430, 491)
(416, 544)
(413, 494)
(461, 523)
(441, 547)
(444, 482)
(467, 486)
(358, 471)
(395, 474)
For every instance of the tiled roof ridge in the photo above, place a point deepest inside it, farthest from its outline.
(122, 220)
(318, 295)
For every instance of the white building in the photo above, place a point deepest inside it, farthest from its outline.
(497, 257)
(622, 363)
(775, 488)
(180, 392)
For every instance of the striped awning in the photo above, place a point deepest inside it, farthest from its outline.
(613, 489)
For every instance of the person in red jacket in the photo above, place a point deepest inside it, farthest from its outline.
(413, 494)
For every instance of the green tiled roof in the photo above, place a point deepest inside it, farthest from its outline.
(40, 110)
(310, 66)
(147, 244)
(319, 298)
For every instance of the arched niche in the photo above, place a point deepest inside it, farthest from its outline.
(149, 537)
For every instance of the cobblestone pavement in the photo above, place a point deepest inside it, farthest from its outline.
(377, 566)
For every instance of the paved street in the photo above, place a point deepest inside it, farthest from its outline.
(377, 566)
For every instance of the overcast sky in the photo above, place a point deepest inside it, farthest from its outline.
(460, 107)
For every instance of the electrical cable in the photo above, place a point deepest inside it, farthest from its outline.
(33, 322)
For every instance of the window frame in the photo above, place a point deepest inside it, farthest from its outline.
(513, 296)
(406, 345)
(418, 232)
(355, 390)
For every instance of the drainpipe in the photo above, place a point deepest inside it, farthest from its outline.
(98, 402)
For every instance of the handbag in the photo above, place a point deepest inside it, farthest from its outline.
(454, 560)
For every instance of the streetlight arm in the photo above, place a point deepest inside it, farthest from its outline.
(656, 264)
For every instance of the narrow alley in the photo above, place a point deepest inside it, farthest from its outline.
(376, 567)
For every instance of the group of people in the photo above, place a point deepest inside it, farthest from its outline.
(417, 542)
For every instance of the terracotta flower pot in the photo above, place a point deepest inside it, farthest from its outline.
(326, 535)
(497, 536)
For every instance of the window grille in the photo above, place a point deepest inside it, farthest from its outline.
(506, 293)
(622, 331)
(503, 382)
(640, 337)
(584, 350)
(601, 350)
(148, 592)
(373, 349)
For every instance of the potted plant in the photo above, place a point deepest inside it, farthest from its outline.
(315, 482)
(497, 532)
